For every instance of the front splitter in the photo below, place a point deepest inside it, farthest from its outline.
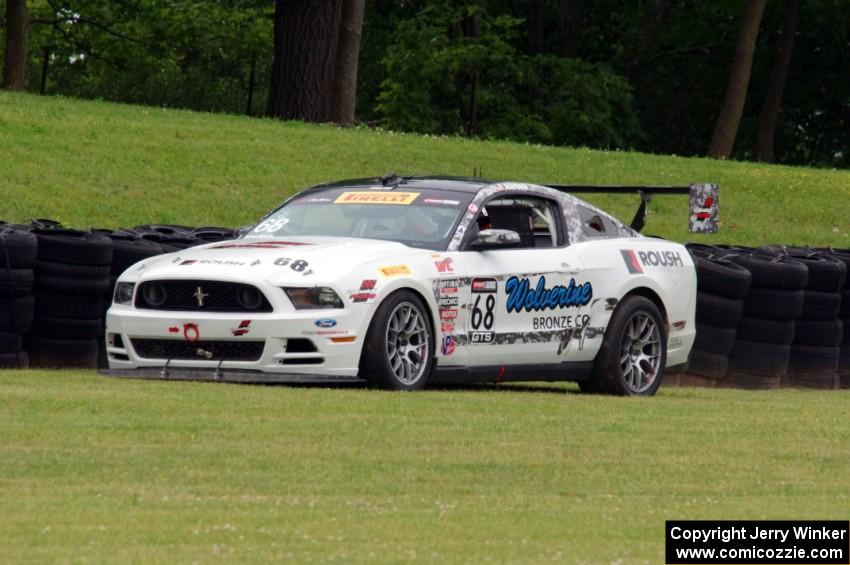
(225, 376)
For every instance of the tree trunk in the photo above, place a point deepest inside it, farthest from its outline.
(650, 32)
(535, 25)
(347, 58)
(17, 30)
(769, 114)
(306, 36)
(723, 138)
(569, 27)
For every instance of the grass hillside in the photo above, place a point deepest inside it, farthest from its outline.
(94, 163)
(94, 469)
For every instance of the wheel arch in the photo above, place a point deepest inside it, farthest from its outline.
(653, 297)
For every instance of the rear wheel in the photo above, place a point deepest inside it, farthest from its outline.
(399, 348)
(634, 352)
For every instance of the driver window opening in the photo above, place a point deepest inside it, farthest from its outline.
(534, 219)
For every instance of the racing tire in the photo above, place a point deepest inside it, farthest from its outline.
(752, 357)
(717, 341)
(821, 305)
(774, 304)
(778, 332)
(15, 282)
(398, 353)
(633, 354)
(51, 269)
(75, 286)
(774, 272)
(65, 328)
(129, 250)
(18, 248)
(819, 333)
(16, 315)
(709, 365)
(59, 305)
(827, 273)
(19, 360)
(62, 353)
(59, 245)
(10, 343)
(718, 311)
(753, 381)
(722, 277)
(810, 359)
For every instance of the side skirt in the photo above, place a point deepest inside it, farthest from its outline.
(574, 371)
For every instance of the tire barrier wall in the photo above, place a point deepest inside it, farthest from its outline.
(56, 285)
(769, 317)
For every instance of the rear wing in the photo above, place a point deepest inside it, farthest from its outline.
(703, 201)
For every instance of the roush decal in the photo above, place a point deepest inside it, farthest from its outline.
(660, 258)
(447, 347)
(521, 297)
(394, 270)
(631, 260)
(484, 285)
(242, 329)
(398, 198)
(258, 245)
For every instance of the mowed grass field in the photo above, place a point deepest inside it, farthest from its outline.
(95, 469)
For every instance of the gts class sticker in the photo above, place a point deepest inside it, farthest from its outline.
(398, 198)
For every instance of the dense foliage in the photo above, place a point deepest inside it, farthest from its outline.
(647, 75)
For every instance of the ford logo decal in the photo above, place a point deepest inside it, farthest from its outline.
(326, 323)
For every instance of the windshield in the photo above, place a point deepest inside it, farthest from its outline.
(414, 217)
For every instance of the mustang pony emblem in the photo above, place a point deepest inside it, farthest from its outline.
(199, 296)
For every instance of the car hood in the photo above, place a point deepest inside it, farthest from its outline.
(305, 260)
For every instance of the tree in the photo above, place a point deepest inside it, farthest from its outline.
(769, 114)
(344, 96)
(306, 36)
(726, 127)
(569, 27)
(17, 32)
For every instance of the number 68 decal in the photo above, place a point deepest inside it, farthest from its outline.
(483, 319)
(299, 265)
(271, 225)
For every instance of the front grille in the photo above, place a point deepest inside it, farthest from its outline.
(198, 350)
(201, 296)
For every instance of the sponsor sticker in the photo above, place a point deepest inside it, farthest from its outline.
(523, 298)
(441, 202)
(242, 329)
(368, 284)
(394, 270)
(444, 265)
(448, 286)
(447, 347)
(447, 301)
(632, 263)
(484, 285)
(325, 323)
(448, 313)
(191, 332)
(447, 326)
(397, 198)
(362, 296)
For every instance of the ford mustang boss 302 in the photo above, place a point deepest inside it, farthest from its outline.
(405, 281)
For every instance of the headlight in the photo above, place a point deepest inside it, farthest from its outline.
(316, 297)
(124, 293)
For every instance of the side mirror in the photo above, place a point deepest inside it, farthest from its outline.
(495, 239)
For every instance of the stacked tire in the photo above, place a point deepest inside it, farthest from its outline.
(843, 255)
(819, 331)
(18, 248)
(71, 288)
(721, 286)
(772, 305)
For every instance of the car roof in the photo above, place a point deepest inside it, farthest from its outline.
(450, 183)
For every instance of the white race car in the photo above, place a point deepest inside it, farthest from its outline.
(405, 281)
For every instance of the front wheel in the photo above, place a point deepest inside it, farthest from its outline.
(633, 355)
(399, 349)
